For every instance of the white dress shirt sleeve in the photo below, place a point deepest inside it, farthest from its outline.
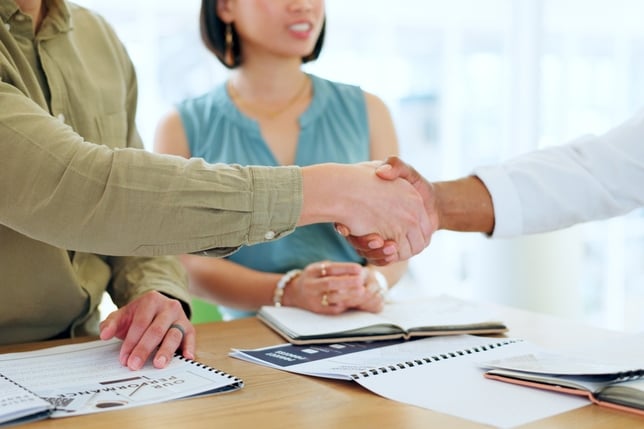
(590, 178)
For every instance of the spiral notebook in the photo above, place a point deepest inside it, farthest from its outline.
(442, 374)
(88, 378)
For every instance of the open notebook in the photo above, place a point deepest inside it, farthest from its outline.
(431, 316)
(614, 385)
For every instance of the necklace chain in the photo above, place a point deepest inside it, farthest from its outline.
(268, 113)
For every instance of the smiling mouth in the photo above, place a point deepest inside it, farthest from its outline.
(301, 27)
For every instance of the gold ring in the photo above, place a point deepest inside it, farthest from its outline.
(325, 300)
(322, 270)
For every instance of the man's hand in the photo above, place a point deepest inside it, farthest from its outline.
(375, 248)
(463, 204)
(394, 168)
(372, 247)
(351, 194)
(151, 321)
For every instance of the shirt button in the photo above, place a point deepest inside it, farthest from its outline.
(61, 117)
(7, 26)
(269, 235)
(20, 18)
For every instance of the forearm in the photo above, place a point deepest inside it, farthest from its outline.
(318, 203)
(464, 205)
(392, 272)
(229, 283)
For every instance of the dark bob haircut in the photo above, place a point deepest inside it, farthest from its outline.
(213, 34)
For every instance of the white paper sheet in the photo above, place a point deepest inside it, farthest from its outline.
(436, 373)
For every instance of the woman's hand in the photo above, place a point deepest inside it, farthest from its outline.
(334, 287)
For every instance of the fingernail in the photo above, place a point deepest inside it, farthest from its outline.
(384, 167)
(389, 250)
(374, 244)
(135, 363)
(160, 362)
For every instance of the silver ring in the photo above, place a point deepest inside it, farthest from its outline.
(179, 328)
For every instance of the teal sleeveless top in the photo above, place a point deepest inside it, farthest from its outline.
(333, 129)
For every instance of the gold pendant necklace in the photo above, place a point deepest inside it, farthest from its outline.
(263, 112)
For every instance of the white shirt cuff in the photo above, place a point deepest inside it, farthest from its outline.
(508, 216)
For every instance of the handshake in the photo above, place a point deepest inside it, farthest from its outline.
(414, 220)
(388, 211)
(411, 215)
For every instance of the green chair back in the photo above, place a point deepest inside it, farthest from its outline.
(204, 311)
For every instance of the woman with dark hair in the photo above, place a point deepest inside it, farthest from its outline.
(223, 41)
(271, 112)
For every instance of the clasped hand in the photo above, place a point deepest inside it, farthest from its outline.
(333, 288)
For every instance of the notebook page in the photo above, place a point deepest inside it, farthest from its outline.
(456, 386)
(435, 311)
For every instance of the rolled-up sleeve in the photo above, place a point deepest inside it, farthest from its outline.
(59, 189)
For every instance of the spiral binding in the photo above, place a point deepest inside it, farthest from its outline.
(211, 369)
(628, 375)
(431, 359)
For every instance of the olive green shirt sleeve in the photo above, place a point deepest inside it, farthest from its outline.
(57, 188)
(134, 276)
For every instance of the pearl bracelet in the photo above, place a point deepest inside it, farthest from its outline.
(383, 284)
(281, 284)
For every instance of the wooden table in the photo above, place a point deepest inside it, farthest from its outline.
(281, 400)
